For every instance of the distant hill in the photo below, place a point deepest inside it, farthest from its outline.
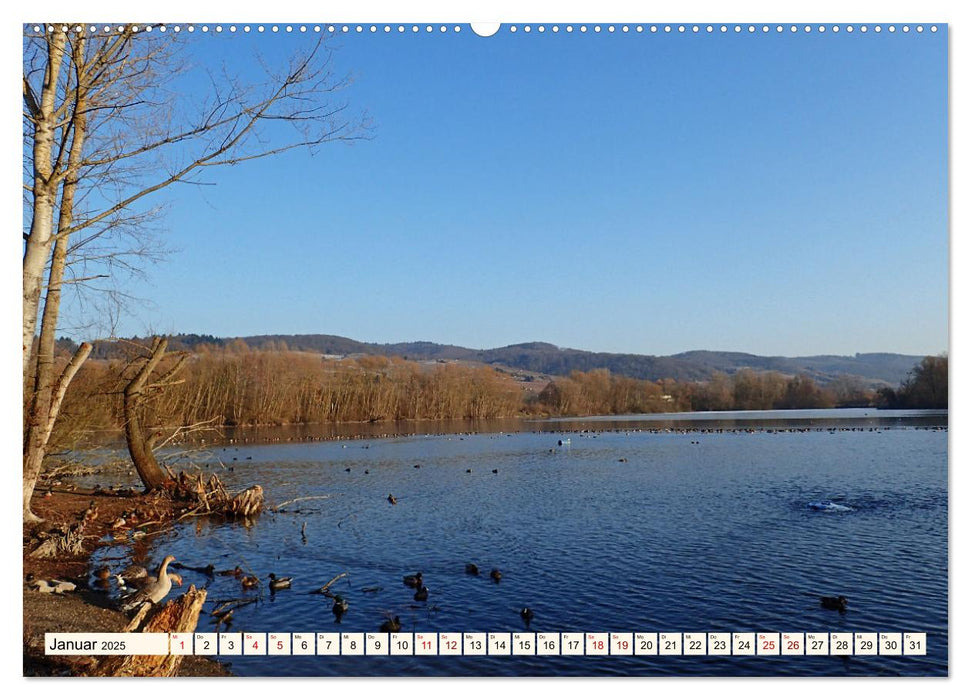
(874, 369)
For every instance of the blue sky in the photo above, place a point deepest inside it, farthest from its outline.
(650, 193)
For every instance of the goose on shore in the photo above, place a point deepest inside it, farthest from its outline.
(139, 584)
(155, 591)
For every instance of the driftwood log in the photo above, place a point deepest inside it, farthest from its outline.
(178, 615)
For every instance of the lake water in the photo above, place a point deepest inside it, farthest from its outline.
(675, 523)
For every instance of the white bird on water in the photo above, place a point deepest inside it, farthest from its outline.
(155, 591)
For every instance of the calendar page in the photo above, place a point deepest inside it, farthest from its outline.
(546, 348)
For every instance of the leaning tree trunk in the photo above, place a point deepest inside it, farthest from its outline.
(140, 440)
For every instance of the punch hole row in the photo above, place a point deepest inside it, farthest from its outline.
(512, 29)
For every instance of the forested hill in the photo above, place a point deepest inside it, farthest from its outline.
(875, 369)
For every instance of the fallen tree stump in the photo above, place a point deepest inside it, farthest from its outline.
(178, 615)
(212, 497)
(61, 542)
(247, 502)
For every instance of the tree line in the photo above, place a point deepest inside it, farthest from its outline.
(235, 385)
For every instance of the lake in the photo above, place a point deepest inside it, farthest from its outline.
(680, 523)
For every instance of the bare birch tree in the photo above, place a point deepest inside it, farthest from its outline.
(106, 126)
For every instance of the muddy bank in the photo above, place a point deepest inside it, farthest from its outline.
(85, 609)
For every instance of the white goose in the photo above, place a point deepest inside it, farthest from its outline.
(156, 590)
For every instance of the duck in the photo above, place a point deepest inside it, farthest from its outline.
(527, 616)
(392, 500)
(834, 603)
(52, 586)
(102, 573)
(421, 594)
(495, 575)
(472, 569)
(155, 591)
(495, 471)
(133, 576)
(279, 583)
(391, 625)
(413, 581)
(91, 513)
(237, 572)
(249, 582)
(340, 607)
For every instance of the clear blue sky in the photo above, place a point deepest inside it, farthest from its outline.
(651, 193)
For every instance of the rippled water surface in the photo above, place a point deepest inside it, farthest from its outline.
(617, 530)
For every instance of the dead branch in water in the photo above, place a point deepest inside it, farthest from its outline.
(277, 508)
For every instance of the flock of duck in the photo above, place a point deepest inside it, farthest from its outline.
(139, 587)
(266, 439)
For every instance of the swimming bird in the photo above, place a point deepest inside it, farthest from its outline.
(237, 572)
(391, 625)
(249, 582)
(155, 591)
(102, 572)
(392, 500)
(527, 616)
(472, 569)
(421, 594)
(340, 607)
(279, 583)
(834, 603)
(495, 575)
(413, 581)
(495, 471)
(468, 471)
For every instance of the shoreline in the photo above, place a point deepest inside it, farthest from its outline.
(85, 609)
(689, 421)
